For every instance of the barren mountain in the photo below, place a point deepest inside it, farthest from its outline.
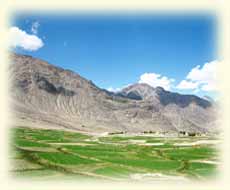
(47, 96)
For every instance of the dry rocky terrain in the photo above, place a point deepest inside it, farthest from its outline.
(44, 95)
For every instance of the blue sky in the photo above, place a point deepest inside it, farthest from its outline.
(116, 50)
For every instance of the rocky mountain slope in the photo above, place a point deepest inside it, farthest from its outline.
(49, 96)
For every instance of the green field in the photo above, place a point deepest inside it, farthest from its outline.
(53, 154)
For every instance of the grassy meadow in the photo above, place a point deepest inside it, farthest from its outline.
(53, 154)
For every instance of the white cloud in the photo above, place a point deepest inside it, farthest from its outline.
(111, 89)
(201, 77)
(19, 38)
(204, 74)
(184, 84)
(34, 27)
(209, 87)
(154, 80)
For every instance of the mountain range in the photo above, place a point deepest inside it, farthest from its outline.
(44, 95)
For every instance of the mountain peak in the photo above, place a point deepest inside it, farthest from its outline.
(144, 86)
(138, 85)
(159, 89)
(139, 91)
(142, 91)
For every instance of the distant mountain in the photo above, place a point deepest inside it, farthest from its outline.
(159, 95)
(44, 95)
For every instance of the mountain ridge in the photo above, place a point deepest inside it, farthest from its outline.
(47, 93)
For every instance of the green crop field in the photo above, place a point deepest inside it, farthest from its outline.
(54, 154)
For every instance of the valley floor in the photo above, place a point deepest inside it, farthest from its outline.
(54, 154)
